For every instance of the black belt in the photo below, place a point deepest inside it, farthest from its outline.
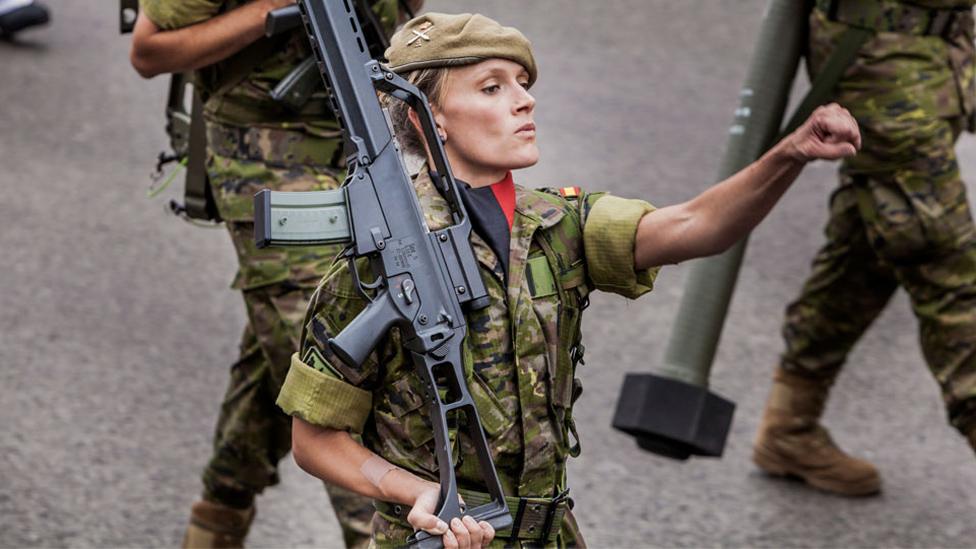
(897, 17)
(533, 519)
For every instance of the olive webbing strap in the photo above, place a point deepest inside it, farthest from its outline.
(197, 193)
(823, 85)
(198, 200)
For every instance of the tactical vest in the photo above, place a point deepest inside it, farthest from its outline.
(557, 281)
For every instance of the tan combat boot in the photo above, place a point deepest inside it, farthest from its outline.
(791, 441)
(213, 525)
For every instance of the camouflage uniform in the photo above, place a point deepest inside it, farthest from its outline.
(900, 216)
(520, 352)
(253, 144)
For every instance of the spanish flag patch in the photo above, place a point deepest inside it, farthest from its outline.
(569, 192)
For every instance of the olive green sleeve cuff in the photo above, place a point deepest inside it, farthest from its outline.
(323, 400)
(609, 234)
(174, 14)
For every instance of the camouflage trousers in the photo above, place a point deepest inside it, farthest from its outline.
(899, 218)
(252, 434)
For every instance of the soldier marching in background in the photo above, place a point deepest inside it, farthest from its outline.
(900, 217)
(254, 143)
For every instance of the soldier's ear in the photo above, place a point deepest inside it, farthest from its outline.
(415, 121)
(439, 123)
(438, 126)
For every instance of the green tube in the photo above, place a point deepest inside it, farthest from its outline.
(762, 102)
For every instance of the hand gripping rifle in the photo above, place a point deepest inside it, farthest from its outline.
(423, 277)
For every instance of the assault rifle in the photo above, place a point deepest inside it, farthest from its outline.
(423, 277)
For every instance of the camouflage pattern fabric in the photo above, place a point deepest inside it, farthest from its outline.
(254, 143)
(900, 216)
(248, 103)
(252, 434)
(518, 351)
(918, 17)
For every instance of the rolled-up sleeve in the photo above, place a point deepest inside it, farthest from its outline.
(319, 387)
(173, 14)
(323, 399)
(609, 233)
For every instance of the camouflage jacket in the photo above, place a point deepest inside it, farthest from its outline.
(247, 103)
(519, 351)
(932, 74)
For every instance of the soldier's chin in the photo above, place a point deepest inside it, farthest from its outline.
(525, 157)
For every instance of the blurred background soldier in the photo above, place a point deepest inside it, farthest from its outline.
(254, 142)
(17, 15)
(900, 217)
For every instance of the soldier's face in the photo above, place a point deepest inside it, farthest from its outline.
(486, 116)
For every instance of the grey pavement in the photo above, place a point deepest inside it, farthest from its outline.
(117, 326)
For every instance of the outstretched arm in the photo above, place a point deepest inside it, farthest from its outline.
(156, 51)
(716, 219)
(336, 458)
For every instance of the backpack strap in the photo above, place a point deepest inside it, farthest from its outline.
(822, 87)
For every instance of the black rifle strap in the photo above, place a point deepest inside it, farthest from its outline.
(823, 85)
(198, 196)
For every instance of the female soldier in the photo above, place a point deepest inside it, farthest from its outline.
(520, 351)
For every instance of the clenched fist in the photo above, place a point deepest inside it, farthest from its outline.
(830, 133)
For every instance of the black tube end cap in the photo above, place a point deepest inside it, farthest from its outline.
(672, 418)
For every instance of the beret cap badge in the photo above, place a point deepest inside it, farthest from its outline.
(420, 34)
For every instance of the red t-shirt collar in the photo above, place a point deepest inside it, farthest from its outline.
(504, 192)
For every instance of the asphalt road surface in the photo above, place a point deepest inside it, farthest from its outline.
(117, 326)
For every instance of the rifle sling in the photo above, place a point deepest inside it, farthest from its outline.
(823, 85)
(197, 194)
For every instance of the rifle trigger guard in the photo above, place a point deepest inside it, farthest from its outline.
(361, 286)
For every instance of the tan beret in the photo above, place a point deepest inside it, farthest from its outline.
(444, 40)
